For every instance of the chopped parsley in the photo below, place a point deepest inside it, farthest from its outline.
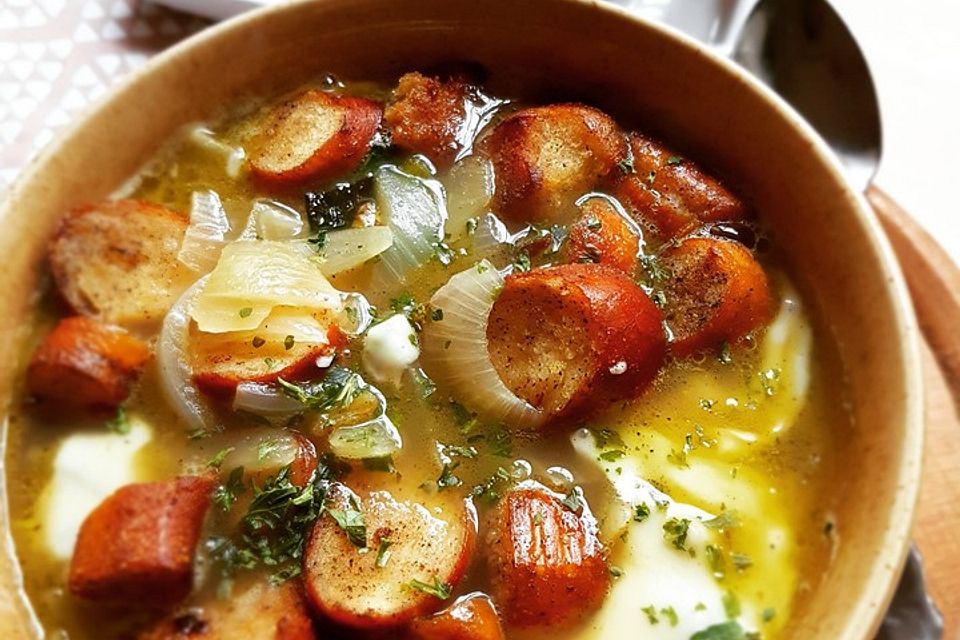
(614, 570)
(573, 500)
(219, 457)
(245, 312)
(437, 589)
(489, 488)
(289, 341)
(337, 389)
(641, 512)
(671, 615)
(730, 630)
(742, 561)
(383, 553)
(337, 207)
(675, 530)
(258, 342)
(119, 423)
(724, 356)
(769, 614)
(674, 160)
(350, 519)
(436, 315)
(726, 520)
(716, 562)
(593, 223)
(225, 495)
(731, 605)
(522, 262)
(651, 612)
(407, 305)
(626, 166)
(447, 478)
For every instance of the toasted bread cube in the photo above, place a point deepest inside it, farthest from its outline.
(261, 612)
(546, 560)
(314, 136)
(472, 617)
(220, 362)
(716, 292)
(669, 195)
(574, 338)
(602, 235)
(137, 548)
(85, 363)
(545, 158)
(352, 589)
(426, 115)
(117, 261)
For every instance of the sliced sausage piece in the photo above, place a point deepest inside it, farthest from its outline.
(716, 292)
(137, 547)
(472, 617)
(546, 561)
(601, 235)
(426, 115)
(545, 158)
(261, 612)
(574, 338)
(86, 363)
(117, 261)
(669, 195)
(221, 361)
(351, 589)
(314, 136)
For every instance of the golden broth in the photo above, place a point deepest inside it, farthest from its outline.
(751, 431)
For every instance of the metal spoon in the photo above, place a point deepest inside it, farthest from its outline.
(803, 50)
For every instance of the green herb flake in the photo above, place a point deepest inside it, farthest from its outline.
(724, 356)
(225, 495)
(351, 521)
(219, 457)
(726, 520)
(675, 530)
(671, 615)
(245, 312)
(471, 226)
(612, 455)
(436, 315)
(593, 223)
(337, 389)
(651, 612)
(730, 630)
(731, 605)
(289, 341)
(119, 423)
(198, 434)
(438, 589)
(447, 478)
(626, 166)
(383, 553)
(674, 160)
(573, 500)
(258, 342)
(716, 562)
(538, 518)
(641, 512)
(615, 571)
(769, 614)
(522, 262)
(742, 561)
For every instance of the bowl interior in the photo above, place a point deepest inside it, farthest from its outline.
(640, 73)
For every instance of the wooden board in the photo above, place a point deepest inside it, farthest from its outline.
(934, 282)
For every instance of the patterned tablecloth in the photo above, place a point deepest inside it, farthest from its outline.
(58, 56)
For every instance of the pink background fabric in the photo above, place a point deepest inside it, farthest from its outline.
(57, 57)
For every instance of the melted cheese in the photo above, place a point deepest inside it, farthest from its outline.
(87, 468)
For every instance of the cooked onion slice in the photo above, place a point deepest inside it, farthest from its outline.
(233, 157)
(270, 220)
(413, 209)
(204, 239)
(176, 374)
(255, 276)
(348, 248)
(454, 348)
(264, 399)
(377, 438)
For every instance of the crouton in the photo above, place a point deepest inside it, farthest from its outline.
(472, 617)
(221, 361)
(314, 136)
(669, 195)
(716, 292)
(545, 158)
(137, 548)
(547, 563)
(602, 235)
(85, 363)
(573, 338)
(117, 261)
(426, 115)
(261, 612)
(412, 550)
